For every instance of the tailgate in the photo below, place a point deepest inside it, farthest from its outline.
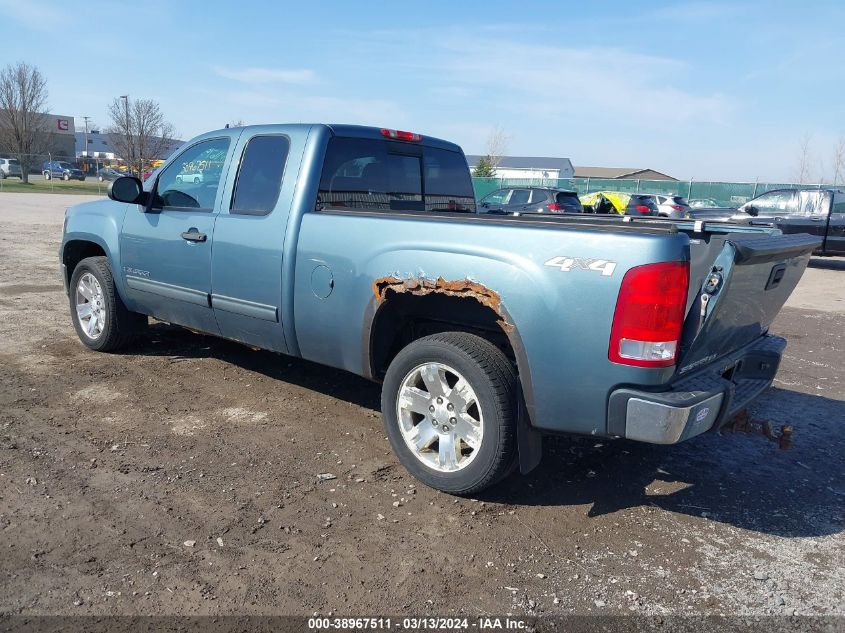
(738, 283)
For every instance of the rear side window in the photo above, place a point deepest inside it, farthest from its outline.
(260, 175)
(838, 202)
(538, 195)
(386, 175)
(520, 196)
(567, 197)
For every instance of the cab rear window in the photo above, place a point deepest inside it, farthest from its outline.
(393, 176)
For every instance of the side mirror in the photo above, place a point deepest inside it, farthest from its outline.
(127, 189)
(751, 210)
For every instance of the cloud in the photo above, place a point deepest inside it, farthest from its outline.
(560, 82)
(255, 75)
(697, 12)
(252, 99)
(35, 16)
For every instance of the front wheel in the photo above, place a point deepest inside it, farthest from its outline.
(102, 322)
(449, 403)
(66, 177)
(47, 175)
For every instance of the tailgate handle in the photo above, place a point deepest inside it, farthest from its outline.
(776, 276)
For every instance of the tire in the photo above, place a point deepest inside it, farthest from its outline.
(119, 326)
(492, 383)
(100, 178)
(47, 175)
(65, 177)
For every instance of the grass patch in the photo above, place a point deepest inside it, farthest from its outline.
(88, 187)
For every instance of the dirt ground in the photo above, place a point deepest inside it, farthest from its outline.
(181, 477)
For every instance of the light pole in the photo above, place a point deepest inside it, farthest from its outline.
(85, 154)
(128, 135)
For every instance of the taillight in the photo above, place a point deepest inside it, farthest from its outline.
(649, 315)
(641, 208)
(554, 206)
(677, 207)
(401, 135)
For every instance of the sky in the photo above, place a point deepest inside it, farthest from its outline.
(703, 90)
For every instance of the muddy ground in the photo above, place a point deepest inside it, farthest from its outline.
(182, 477)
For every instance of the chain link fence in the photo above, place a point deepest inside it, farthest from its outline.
(716, 194)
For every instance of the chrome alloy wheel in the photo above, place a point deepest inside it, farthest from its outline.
(90, 306)
(440, 417)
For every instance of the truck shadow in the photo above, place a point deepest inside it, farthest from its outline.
(828, 263)
(737, 479)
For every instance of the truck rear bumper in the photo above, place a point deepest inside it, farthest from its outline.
(699, 402)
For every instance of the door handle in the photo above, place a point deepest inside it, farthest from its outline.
(193, 235)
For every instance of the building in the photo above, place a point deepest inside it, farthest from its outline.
(59, 142)
(533, 167)
(100, 149)
(621, 173)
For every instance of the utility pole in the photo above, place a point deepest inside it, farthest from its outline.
(86, 118)
(129, 151)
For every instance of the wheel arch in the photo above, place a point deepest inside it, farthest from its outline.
(402, 311)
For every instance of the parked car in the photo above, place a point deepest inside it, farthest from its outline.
(531, 200)
(359, 248)
(819, 212)
(10, 168)
(194, 177)
(670, 206)
(710, 214)
(697, 203)
(619, 202)
(109, 173)
(61, 169)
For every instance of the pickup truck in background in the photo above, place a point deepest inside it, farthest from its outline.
(819, 212)
(360, 248)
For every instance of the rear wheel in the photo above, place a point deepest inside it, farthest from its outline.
(65, 176)
(449, 406)
(102, 322)
(47, 175)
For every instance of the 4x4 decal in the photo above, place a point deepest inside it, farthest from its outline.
(604, 266)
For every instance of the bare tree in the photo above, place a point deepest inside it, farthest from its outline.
(138, 132)
(805, 159)
(837, 162)
(497, 146)
(23, 126)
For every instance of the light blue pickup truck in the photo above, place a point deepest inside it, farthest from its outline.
(360, 248)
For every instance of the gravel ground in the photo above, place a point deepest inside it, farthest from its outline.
(182, 477)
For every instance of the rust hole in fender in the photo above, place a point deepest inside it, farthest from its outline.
(464, 288)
